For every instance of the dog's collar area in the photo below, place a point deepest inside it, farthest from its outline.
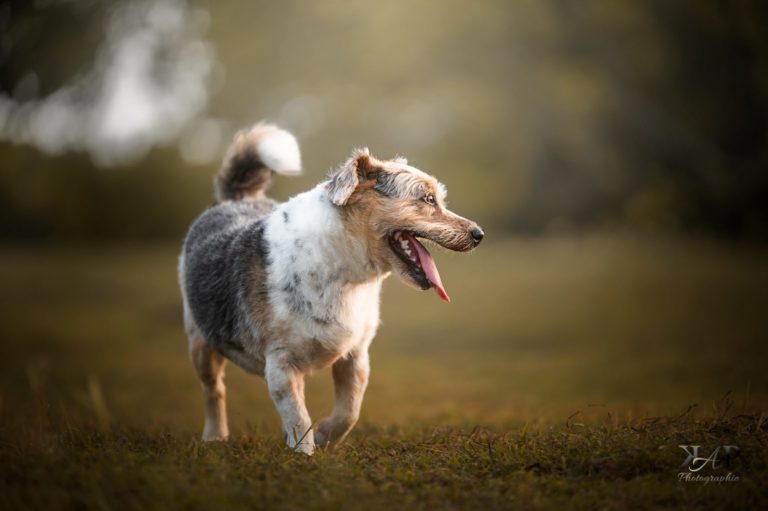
(419, 261)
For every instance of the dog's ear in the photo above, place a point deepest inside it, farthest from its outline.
(359, 169)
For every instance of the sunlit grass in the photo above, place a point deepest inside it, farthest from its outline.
(544, 373)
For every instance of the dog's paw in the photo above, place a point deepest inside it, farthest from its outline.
(331, 431)
(215, 437)
(304, 444)
(213, 432)
(305, 448)
(321, 440)
(323, 434)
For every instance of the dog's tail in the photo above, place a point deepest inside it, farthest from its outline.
(253, 157)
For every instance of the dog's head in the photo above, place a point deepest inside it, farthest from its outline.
(392, 205)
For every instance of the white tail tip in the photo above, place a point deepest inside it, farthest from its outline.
(279, 151)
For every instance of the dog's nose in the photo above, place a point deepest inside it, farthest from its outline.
(477, 235)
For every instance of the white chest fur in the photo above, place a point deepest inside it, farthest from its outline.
(323, 293)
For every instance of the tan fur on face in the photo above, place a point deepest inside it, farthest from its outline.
(372, 215)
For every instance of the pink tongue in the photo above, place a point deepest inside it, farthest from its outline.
(428, 265)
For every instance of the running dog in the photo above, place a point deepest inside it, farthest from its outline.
(285, 289)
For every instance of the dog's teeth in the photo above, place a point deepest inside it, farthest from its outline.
(404, 245)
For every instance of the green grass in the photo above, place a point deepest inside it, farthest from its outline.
(561, 375)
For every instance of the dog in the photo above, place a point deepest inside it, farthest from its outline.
(283, 290)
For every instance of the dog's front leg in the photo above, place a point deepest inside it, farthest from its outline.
(350, 377)
(286, 388)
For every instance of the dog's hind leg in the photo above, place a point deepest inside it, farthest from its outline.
(286, 388)
(210, 369)
(350, 377)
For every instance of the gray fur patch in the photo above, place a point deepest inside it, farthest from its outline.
(218, 261)
(296, 300)
(403, 185)
(387, 185)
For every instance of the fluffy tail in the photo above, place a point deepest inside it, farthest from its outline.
(251, 160)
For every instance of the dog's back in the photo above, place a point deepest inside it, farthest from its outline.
(225, 243)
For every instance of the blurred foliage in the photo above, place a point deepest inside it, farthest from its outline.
(539, 115)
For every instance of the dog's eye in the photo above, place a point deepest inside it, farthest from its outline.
(429, 199)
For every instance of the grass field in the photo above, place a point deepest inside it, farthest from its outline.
(565, 373)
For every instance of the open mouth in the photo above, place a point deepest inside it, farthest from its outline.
(418, 260)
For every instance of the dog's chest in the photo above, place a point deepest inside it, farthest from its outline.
(327, 315)
(323, 292)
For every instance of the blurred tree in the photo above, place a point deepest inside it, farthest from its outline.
(543, 115)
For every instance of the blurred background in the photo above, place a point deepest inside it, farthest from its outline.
(615, 153)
